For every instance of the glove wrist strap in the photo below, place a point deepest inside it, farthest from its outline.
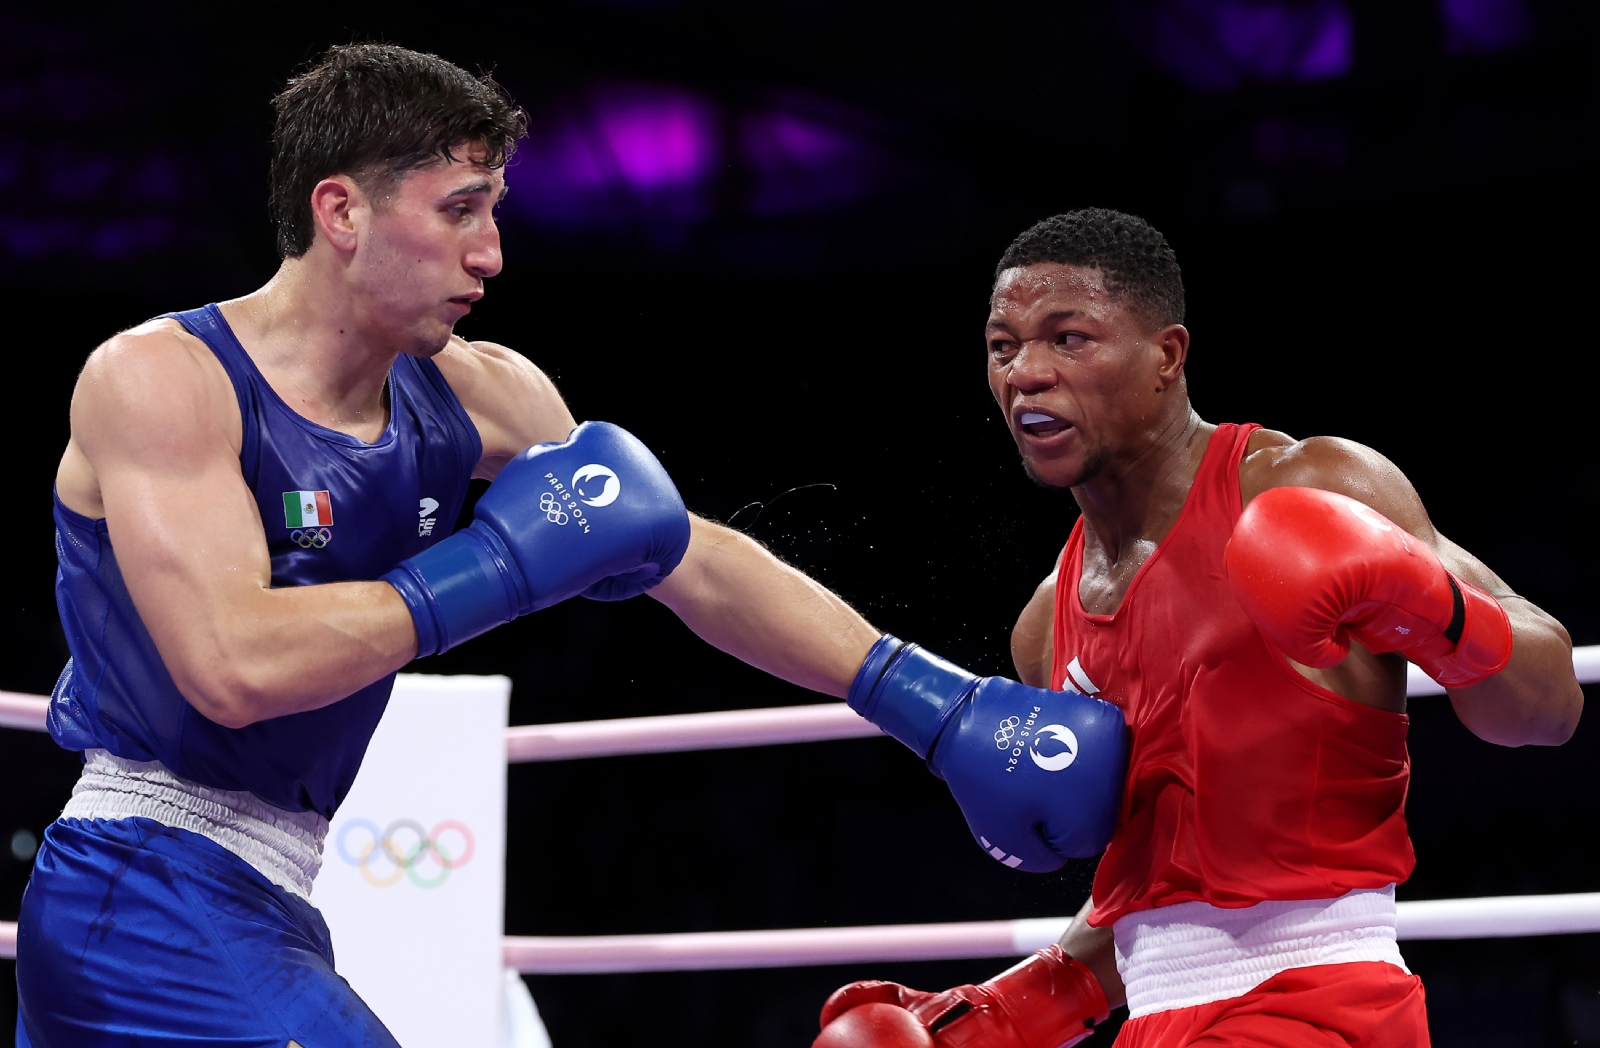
(908, 692)
(1051, 999)
(1483, 639)
(458, 588)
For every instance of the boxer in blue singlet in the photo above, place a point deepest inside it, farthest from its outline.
(252, 521)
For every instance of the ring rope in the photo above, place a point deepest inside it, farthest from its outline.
(681, 732)
(1486, 918)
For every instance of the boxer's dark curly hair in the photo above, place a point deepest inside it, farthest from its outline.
(375, 111)
(1134, 257)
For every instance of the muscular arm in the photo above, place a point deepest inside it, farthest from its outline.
(1033, 637)
(1536, 699)
(739, 598)
(155, 450)
(512, 403)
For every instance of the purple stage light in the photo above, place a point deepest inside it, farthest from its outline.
(658, 140)
(623, 155)
(804, 163)
(1217, 45)
(634, 156)
(1332, 48)
(1484, 26)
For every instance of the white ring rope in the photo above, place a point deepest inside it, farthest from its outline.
(704, 731)
(701, 951)
(1503, 917)
(23, 711)
(685, 731)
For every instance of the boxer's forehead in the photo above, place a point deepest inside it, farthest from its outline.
(467, 173)
(1032, 293)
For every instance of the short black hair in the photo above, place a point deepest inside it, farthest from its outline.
(374, 110)
(1134, 257)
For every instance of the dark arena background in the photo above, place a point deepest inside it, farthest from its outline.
(761, 236)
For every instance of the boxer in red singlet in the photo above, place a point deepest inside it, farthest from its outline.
(1249, 601)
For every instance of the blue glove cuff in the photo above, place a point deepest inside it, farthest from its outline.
(870, 675)
(460, 587)
(414, 592)
(908, 692)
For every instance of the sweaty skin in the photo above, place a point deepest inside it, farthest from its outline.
(392, 268)
(1123, 437)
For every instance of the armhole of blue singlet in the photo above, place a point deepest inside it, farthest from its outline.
(469, 443)
(207, 325)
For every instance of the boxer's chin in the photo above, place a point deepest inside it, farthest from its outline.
(1057, 475)
(430, 341)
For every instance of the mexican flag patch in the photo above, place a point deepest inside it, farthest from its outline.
(307, 509)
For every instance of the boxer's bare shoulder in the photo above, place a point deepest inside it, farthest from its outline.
(152, 391)
(511, 401)
(1033, 638)
(1277, 460)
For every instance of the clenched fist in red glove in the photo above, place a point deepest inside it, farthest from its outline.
(1315, 570)
(1047, 1001)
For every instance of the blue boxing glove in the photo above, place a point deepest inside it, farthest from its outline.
(596, 514)
(1037, 773)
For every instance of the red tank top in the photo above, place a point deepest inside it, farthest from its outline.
(1246, 781)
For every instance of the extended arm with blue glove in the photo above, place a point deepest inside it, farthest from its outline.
(1037, 773)
(596, 514)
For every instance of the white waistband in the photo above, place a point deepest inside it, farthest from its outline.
(284, 846)
(1194, 953)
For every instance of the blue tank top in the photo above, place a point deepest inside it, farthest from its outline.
(334, 509)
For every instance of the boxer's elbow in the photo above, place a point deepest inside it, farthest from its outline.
(1536, 700)
(226, 697)
(1542, 716)
(229, 689)
(1560, 721)
(231, 715)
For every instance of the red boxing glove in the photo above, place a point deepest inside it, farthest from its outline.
(875, 1025)
(1315, 570)
(1047, 1001)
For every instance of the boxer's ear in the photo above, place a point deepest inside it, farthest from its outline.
(334, 202)
(1173, 343)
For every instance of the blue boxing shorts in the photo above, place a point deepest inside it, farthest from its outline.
(138, 934)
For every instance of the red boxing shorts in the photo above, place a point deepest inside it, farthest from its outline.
(1364, 1004)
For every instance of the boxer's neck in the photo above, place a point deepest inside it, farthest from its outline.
(317, 348)
(1136, 496)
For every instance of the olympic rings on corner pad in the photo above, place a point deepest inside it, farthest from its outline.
(406, 860)
(311, 538)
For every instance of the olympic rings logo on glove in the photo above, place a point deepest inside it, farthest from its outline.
(402, 850)
(311, 538)
(552, 509)
(1007, 732)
